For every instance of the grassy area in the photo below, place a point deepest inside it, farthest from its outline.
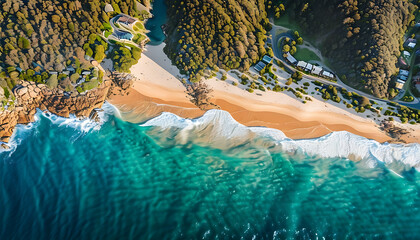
(304, 54)
(138, 38)
(107, 33)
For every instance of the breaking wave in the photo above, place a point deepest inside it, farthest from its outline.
(217, 128)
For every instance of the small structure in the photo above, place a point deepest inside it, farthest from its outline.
(399, 84)
(404, 72)
(302, 65)
(71, 69)
(411, 45)
(309, 67)
(66, 72)
(406, 54)
(316, 70)
(259, 67)
(327, 74)
(108, 8)
(291, 59)
(126, 21)
(403, 63)
(53, 73)
(85, 73)
(404, 78)
(267, 59)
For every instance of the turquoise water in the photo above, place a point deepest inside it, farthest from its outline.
(125, 181)
(154, 24)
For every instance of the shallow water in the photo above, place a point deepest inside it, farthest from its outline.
(68, 180)
(154, 24)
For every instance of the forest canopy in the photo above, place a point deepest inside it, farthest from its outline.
(228, 34)
(38, 36)
(363, 38)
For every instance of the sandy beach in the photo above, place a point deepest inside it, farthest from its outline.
(159, 90)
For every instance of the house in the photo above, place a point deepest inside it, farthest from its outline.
(411, 45)
(85, 72)
(316, 70)
(302, 64)
(404, 78)
(291, 59)
(267, 59)
(309, 67)
(53, 72)
(66, 72)
(399, 85)
(71, 69)
(403, 63)
(327, 74)
(259, 66)
(406, 54)
(108, 8)
(126, 21)
(404, 72)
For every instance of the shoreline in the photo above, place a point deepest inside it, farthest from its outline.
(159, 90)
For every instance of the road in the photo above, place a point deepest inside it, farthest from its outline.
(276, 38)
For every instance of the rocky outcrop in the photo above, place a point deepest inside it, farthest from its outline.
(31, 96)
(121, 82)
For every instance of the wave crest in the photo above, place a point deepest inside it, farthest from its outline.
(217, 128)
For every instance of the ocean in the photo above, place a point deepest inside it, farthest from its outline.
(154, 24)
(210, 178)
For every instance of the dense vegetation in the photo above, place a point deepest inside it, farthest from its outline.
(229, 34)
(363, 38)
(42, 36)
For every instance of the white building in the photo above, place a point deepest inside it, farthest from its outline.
(411, 45)
(309, 67)
(302, 64)
(316, 70)
(291, 59)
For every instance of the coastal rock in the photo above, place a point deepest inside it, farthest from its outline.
(30, 96)
(5, 146)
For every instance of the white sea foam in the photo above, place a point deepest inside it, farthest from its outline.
(84, 125)
(336, 144)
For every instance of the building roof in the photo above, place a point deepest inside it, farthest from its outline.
(404, 72)
(400, 81)
(259, 66)
(316, 70)
(327, 74)
(126, 20)
(412, 45)
(291, 59)
(406, 53)
(399, 85)
(309, 66)
(267, 59)
(403, 77)
(302, 64)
